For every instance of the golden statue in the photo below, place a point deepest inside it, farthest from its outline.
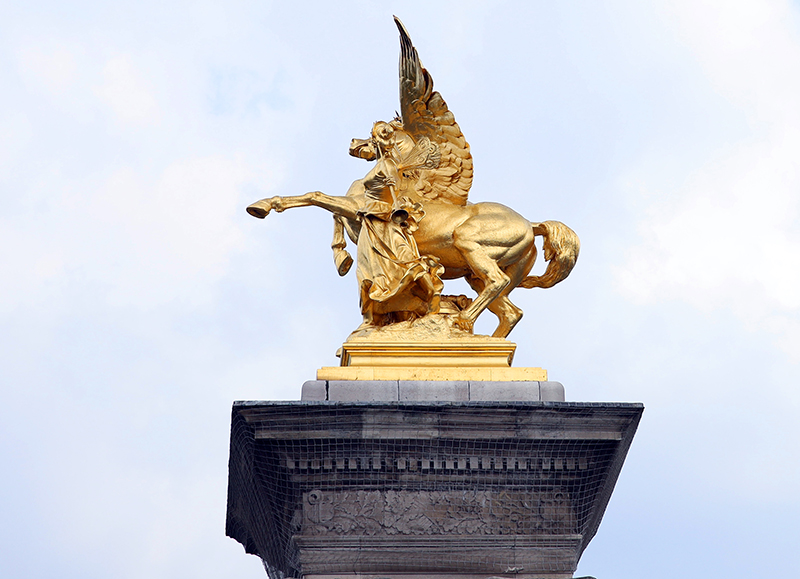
(413, 225)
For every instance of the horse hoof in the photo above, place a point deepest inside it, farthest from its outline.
(257, 211)
(343, 263)
(463, 323)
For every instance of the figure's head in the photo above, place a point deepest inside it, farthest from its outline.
(383, 135)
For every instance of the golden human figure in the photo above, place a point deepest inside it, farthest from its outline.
(414, 226)
(395, 282)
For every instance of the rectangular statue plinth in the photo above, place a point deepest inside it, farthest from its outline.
(487, 359)
(432, 373)
(443, 490)
(485, 353)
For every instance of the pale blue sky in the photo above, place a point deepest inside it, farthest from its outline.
(138, 299)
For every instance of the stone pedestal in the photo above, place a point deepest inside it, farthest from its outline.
(401, 489)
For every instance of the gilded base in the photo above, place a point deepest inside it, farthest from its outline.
(491, 352)
(481, 358)
(432, 373)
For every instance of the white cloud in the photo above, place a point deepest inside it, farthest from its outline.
(17, 136)
(162, 237)
(728, 237)
(50, 66)
(127, 92)
(143, 241)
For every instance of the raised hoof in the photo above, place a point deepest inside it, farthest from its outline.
(343, 263)
(257, 210)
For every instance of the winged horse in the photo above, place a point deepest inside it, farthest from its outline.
(488, 244)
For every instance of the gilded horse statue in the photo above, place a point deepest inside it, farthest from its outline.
(430, 167)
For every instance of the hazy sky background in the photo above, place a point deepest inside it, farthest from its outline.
(138, 299)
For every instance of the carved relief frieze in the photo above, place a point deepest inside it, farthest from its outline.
(446, 512)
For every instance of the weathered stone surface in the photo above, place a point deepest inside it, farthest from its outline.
(480, 391)
(438, 557)
(551, 391)
(426, 390)
(362, 390)
(314, 390)
(431, 390)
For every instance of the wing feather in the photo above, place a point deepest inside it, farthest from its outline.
(425, 115)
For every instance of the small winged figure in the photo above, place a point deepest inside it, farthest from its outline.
(413, 225)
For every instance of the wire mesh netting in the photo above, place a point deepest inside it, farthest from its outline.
(497, 488)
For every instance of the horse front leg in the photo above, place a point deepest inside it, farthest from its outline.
(341, 257)
(344, 206)
(262, 208)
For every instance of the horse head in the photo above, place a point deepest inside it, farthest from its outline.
(363, 149)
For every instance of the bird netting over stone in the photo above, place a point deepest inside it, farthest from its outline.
(504, 488)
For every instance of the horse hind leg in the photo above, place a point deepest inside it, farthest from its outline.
(507, 313)
(493, 280)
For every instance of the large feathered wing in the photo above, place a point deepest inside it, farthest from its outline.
(446, 173)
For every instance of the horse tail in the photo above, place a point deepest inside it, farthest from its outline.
(561, 248)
